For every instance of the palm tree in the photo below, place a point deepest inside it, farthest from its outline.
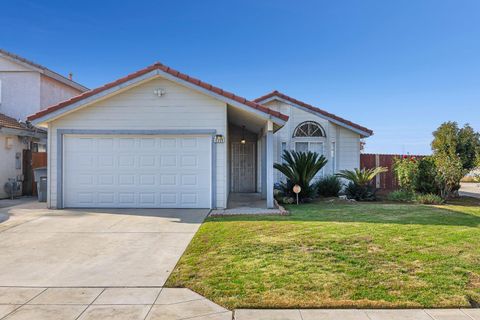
(361, 177)
(300, 168)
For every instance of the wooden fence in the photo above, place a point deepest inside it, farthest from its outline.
(385, 181)
(31, 160)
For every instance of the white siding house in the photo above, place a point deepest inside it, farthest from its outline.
(180, 109)
(160, 139)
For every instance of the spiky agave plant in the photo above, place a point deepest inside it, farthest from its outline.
(361, 177)
(300, 168)
(359, 186)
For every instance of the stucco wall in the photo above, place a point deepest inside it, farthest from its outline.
(53, 92)
(20, 94)
(139, 108)
(8, 65)
(8, 162)
(25, 91)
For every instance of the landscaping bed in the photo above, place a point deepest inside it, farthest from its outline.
(335, 254)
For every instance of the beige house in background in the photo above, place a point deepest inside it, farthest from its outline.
(25, 88)
(159, 138)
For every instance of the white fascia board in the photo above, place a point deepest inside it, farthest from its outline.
(46, 72)
(339, 123)
(269, 99)
(22, 63)
(23, 133)
(143, 78)
(64, 80)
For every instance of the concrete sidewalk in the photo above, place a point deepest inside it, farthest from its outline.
(21, 303)
(157, 303)
(357, 314)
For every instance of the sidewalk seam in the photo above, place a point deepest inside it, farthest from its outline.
(24, 304)
(88, 306)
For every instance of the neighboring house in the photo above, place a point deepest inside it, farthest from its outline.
(25, 88)
(14, 138)
(158, 138)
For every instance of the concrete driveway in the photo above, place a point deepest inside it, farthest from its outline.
(92, 248)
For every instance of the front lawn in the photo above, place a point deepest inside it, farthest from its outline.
(339, 255)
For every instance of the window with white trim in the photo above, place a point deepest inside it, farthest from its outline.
(309, 129)
(310, 136)
(313, 146)
(284, 147)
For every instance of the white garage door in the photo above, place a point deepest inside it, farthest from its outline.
(137, 171)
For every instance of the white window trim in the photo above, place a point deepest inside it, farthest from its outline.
(321, 174)
(333, 156)
(309, 141)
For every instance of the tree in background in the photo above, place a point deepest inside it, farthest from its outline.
(455, 153)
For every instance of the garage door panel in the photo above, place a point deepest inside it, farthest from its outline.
(119, 171)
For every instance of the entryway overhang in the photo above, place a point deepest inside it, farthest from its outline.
(250, 153)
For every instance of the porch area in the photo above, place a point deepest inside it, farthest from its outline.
(249, 152)
(248, 204)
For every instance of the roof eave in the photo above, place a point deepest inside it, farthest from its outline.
(23, 132)
(43, 70)
(146, 75)
(273, 96)
(64, 80)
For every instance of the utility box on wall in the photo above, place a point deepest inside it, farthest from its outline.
(18, 160)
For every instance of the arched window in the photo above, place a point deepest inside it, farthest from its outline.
(309, 129)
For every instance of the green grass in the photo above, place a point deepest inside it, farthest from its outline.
(339, 255)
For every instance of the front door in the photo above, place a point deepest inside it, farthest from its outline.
(243, 167)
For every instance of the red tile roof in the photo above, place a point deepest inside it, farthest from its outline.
(175, 73)
(315, 109)
(8, 122)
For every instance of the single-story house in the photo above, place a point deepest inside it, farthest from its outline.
(159, 138)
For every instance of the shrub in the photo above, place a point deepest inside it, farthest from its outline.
(300, 168)
(429, 198)
(449, 174)
(360, 193)
(328, 186)
(287, 200)
(359, 186)
(405, 170)
(425, 180)
(401, 196)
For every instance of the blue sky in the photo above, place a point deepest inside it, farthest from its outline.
(398, 67)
